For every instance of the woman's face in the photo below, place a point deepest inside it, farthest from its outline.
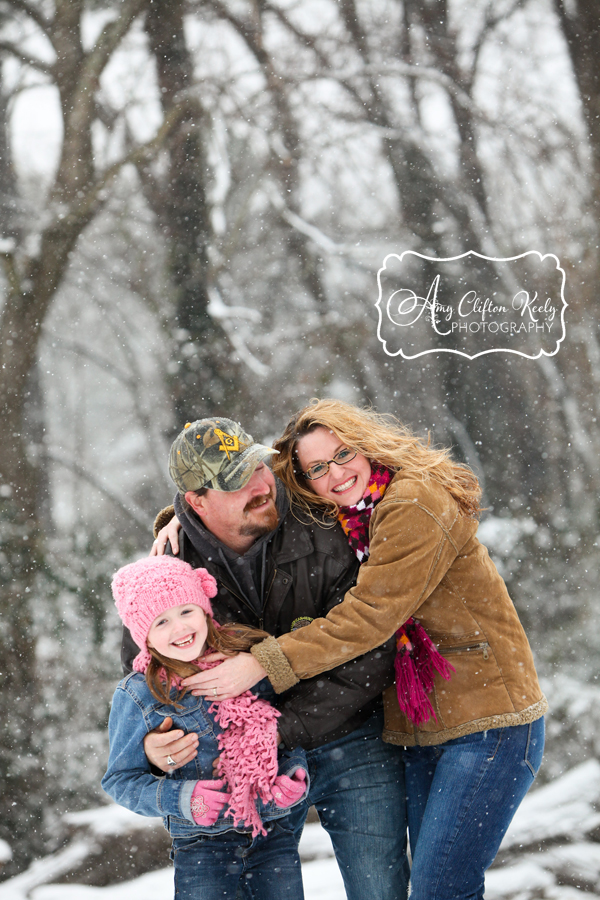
(344, 484)
(179, 632)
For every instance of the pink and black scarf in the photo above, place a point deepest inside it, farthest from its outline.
(418, 659)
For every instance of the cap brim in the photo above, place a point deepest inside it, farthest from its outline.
(236, 476)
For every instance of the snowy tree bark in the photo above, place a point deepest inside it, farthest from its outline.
(580, 22)
(32, 277)
(205, 376)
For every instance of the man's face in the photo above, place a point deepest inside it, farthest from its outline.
(238, 518)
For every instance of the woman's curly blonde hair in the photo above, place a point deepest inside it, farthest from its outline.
(382, 439)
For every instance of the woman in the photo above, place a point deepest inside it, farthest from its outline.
(411, 513)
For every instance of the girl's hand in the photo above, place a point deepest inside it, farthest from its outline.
(287, 791)
(230, 679)
(169, 533)
(208, 799)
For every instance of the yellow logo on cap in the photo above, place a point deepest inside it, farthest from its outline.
(229, 442)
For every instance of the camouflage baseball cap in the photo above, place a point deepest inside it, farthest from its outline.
(214, 453)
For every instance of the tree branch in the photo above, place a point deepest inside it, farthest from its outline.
(34, 14)
(136, 157)
(25, 58)
(110, 37)
(131, 509)
(12, 275)
(491, 23)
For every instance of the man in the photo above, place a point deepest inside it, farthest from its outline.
(278, 571)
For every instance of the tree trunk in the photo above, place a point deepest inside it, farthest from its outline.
(206, 377)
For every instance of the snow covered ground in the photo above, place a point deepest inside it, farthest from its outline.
(321, 875)
(551, 851)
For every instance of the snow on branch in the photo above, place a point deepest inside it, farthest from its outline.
(219, 310)
(322, 240)
(224, 315)
(31, 12)
(130, 508)
(26, 58)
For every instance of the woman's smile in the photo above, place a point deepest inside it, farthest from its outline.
(344, 483)
(345, 486)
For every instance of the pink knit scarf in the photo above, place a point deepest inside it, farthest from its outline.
(417, 660)
(248, 757)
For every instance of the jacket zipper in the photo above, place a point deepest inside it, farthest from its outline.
(223, 581)
(235, 594)
(466, 648)
(267, 595)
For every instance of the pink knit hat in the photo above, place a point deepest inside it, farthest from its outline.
(146, 588)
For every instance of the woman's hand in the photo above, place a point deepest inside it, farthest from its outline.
(230, 679)
(169, 533)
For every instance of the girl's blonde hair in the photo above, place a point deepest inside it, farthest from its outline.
(229, 639)
(381, 439)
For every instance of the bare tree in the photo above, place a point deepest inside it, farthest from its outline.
(36, 257)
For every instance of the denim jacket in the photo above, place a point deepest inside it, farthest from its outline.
(129, 779)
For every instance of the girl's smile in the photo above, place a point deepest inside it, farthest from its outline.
(179, 632)
(344, 483)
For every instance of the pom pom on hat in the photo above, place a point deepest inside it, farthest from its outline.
(142, 661)
(146, 588)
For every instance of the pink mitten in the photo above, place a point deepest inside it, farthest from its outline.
(208, 799)
(287, 791)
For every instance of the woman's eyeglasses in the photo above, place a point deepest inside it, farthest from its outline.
(321, 468)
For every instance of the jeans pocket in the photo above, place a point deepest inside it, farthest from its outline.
(534, 746)
(282, 826)
(180, 845)
(494, 736)
(490, 741)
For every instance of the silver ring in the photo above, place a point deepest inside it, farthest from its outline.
(170, 761)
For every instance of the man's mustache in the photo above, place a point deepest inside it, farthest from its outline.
(258, 501)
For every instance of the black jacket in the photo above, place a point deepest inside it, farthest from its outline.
(307, 571)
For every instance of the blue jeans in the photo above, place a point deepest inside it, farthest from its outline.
(462, 796)
(357, 786)
(233, 864)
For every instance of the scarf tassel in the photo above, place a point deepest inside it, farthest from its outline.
(248, 759)
(417, 662)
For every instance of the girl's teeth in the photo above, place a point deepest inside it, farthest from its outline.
(184, 643)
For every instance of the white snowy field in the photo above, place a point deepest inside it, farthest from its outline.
(551, 852)
(320, 873)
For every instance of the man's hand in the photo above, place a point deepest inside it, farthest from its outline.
(169, 533)
(230, 679)
(163, 744)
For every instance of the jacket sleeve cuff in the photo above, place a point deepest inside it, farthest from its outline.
(274, 662)
(185, 800)
(174, 797)
(163, 518)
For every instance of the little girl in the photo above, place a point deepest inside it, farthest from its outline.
(230, 832)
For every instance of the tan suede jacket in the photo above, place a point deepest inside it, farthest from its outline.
(425, 561)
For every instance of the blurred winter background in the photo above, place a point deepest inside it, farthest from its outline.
(195, 198)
